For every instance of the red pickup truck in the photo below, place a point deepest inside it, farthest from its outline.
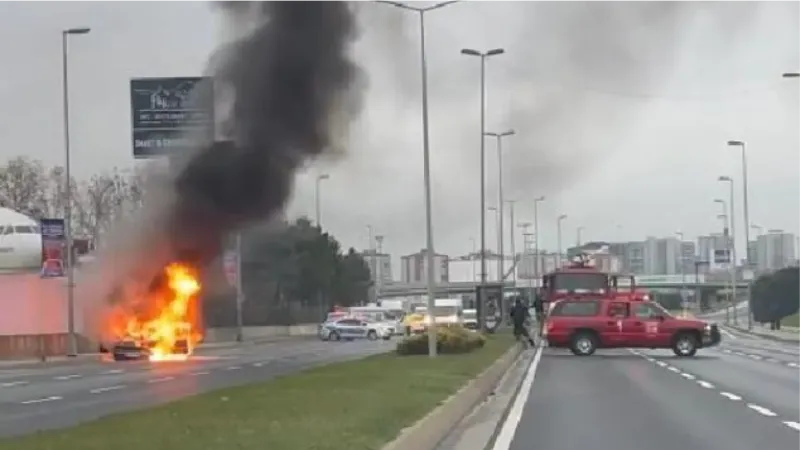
(585, 324)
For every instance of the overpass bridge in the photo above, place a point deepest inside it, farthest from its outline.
(664, 283)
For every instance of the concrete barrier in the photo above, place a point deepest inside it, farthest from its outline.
(428, 432)
(228, 334)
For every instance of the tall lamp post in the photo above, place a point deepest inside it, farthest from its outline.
(732, 220)
(426, 165)
(500, 199)
(317, 201)
(513, 247)
(499, 240)
(483, 56)
(72, 341)
(558, 238)
(745, 195)
(536, 202)
(727, 241)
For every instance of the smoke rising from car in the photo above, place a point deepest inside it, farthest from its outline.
(293, 89)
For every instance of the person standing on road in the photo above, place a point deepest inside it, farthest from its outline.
(520, 315)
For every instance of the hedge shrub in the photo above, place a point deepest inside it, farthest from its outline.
(449, 340)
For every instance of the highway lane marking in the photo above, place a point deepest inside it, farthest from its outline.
(67, 377)
(160, 380)
(790, 424)
(509, 428)
(113, 372)
(761, 410)
(688, 376)
(730, 396)
(661, 363)
(233, 368)
(41, 400)
(673, 369)
(14, 383)
(727, 333)
(793, 364)
(756, 357)
(705, 384)
(106, 389)
(197, 374)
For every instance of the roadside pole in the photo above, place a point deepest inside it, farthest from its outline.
(239, 290)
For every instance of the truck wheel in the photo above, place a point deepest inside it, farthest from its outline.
(372, 335)
(583, 344)
(684, 345)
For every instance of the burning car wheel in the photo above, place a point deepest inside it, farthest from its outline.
(372, 335)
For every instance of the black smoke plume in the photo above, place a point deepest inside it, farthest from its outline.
(288, 77)
(293, 87)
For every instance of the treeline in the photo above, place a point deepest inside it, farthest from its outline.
(775, 296)
(292, 273)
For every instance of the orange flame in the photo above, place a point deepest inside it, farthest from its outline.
(168, 329)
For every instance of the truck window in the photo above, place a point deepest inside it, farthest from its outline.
(581, 308)
(619, 309)
(647, 311)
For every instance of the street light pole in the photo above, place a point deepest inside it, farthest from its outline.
(726, 237)
(72, 341)
(681, 260)
(431, 285)
(378, 267)
(320, 178)
(536, 202)
(499, 231)
(483, 56)
(558, 239)
(745, 195)
(501, 199)
(732, 220)
(513, 248)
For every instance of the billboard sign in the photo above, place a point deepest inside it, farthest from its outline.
(165, 111)
(54, 244)
(489, 306)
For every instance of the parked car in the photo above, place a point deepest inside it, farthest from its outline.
(354, 328)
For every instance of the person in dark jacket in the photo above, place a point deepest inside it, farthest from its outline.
(520, 315)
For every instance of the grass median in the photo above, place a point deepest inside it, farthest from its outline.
(355, 405)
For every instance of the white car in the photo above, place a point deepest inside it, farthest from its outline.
(350, 329)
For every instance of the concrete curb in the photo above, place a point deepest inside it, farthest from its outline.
(770, 336)
(427, 433)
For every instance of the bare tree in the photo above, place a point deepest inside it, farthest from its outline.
(22, 185)
(101, 201)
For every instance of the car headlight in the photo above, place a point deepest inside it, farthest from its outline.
(708, 328)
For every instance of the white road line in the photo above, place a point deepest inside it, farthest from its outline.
(754, 356)
(794, 425)
(772, 360)
(688, 376)
(761, 410)
(730, 396)
(41, 400)
(726, 350)
(661, 363)
(258, 364)
(67, 377)
(106, 389)
(233, 368)
(673, 369)
(160, 380)
(14, 383)
(197, 374)
(705, 384)
(113, 372)
(793, 365)
(727, 333)
(506, 435)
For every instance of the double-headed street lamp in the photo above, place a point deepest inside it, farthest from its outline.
(426, 165)
(732, 220)
(501, 200)
(745, 195)
(483, 56)
(72, 341)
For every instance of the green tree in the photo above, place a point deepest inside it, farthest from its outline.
(296, 272)
(775, 296)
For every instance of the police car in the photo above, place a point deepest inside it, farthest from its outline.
(351, 328)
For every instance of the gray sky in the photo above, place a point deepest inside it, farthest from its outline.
(621, 110)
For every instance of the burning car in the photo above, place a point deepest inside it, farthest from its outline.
(161, 324)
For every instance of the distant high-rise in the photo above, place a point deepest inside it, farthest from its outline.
(414, 268)
(380, 267)
(775, 250)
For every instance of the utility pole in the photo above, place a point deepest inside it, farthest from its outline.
(536, 257)
(378, 267)
(558, 228)
(513, 249)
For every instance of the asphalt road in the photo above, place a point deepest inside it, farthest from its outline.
(742, 395)
(60, 395)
